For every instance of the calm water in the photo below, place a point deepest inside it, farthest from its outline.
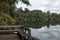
(53, 33)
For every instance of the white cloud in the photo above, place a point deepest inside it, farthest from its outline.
(56, 4)
(52, 5)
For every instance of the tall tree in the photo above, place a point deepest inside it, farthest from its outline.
(48, 19)
(8, 7)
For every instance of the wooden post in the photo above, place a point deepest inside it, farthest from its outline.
(22, 38)
(29, 33)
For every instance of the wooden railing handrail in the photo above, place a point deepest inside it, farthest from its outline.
(24, 31)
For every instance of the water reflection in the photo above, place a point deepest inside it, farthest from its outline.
(53, 33)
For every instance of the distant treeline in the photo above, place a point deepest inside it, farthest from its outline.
(34, 18)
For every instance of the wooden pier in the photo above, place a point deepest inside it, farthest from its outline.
(15, 33)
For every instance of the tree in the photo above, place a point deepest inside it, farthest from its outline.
(48, 19)
(7, 9)
(34, 18)
(6, 19)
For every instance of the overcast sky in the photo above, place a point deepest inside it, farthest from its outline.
(44, 5)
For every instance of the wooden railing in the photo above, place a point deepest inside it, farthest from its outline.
(22, 32)
(25, 33)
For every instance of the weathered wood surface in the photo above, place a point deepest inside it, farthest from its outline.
(24, 33)
(9, 37)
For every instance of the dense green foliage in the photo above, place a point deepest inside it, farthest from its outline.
(7, 10)
(36, 18)
(33, 18)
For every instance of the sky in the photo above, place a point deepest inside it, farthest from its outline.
(44, 5)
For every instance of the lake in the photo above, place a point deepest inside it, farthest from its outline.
(44, 33)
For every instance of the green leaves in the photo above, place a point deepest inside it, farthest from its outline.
(26, 2)
(7, 10)
(6, 19)
(34, 18)
(10, 2)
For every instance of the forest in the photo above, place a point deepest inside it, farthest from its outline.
(10, 15)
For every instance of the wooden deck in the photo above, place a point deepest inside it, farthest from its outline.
(7, 33)
(9, 37)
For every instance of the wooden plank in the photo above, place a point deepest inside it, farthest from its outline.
(7, 32)
(9, 37)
